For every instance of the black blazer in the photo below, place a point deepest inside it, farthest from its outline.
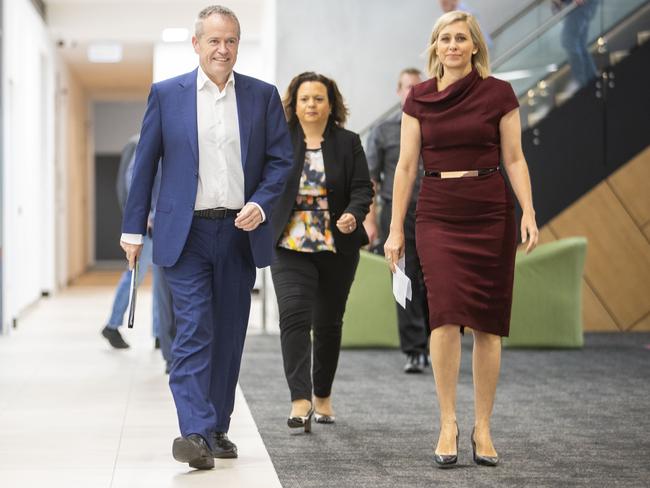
(348, 184)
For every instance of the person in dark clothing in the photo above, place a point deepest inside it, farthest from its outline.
(318, 231)
(383, 152)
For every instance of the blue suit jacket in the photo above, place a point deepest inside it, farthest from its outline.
(169, 132)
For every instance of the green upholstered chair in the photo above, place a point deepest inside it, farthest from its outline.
(370, 318)
(547, 299)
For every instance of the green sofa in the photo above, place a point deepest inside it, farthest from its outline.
(370, 318)
(547, 298)
(546, 308)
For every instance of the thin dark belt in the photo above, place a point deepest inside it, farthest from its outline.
(216, 213)
(460, 174)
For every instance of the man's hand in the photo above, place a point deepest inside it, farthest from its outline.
(248, 217)
(132, 251)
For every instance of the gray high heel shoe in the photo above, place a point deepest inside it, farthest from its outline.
(482, 460)
(446, 460)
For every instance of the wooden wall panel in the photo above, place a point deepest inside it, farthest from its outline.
(630, 184)
(618, 255)
(643, 325)
(646, 231)
(106, 277)
(595, 318)
(545, 236)
(78, 231)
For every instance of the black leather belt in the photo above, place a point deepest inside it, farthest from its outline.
(460, 174)
(216, 213)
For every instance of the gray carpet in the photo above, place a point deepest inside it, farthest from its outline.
(562, 418)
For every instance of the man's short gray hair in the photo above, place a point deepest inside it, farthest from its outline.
(215, 10)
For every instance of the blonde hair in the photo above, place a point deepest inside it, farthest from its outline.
(480, 60)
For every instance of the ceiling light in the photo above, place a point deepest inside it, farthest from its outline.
(105, 52)
(175, 34)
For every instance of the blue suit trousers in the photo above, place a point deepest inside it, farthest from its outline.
(211, 287)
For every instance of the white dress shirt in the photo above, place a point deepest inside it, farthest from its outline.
(221, 172)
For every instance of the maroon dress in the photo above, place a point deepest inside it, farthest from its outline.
(465, 227)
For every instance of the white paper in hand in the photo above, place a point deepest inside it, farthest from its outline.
(401, 283)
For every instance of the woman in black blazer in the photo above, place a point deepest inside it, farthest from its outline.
(317, 225)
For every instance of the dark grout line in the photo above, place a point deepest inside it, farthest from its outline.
(643, 317)
(126, 409)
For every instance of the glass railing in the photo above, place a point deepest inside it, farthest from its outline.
(550, 63)
(535, 15)
(528, 50)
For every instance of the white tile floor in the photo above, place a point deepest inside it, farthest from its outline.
(76, 413)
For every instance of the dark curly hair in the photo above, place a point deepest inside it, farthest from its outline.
(339, 111)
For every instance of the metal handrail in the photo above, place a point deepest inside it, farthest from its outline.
(525, 41)
(516, 17)
(543, 27)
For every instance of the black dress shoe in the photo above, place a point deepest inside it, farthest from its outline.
(193, 450)
(415, 362)
(482, 460)
(222, 447)
(114, 338)
(446, 460)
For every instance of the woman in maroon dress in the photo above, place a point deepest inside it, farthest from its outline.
(463, 122)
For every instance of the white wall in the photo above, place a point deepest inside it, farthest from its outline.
(114, 123)
(492, 13)
(362, 45)
(28, 183)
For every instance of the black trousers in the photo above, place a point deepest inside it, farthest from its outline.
(312, 290)
(413, 322)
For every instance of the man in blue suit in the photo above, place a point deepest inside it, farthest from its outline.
(226, 154)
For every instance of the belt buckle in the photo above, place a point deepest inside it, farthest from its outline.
(458, 174)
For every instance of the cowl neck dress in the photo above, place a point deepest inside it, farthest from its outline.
(465, 227)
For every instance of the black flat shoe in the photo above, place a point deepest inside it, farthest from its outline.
(114, 338)
(446, 460)
(193, 450)
(222, 447)
(482, 460)
(301, 422)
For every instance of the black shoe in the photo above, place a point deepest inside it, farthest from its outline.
(156, 343)
(301, 422)
(415, 362)
(193, 450)
(482, 460)
(114, 338)
(222, 447)
(446, 460)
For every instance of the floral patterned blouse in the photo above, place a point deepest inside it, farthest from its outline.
(308, 229)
